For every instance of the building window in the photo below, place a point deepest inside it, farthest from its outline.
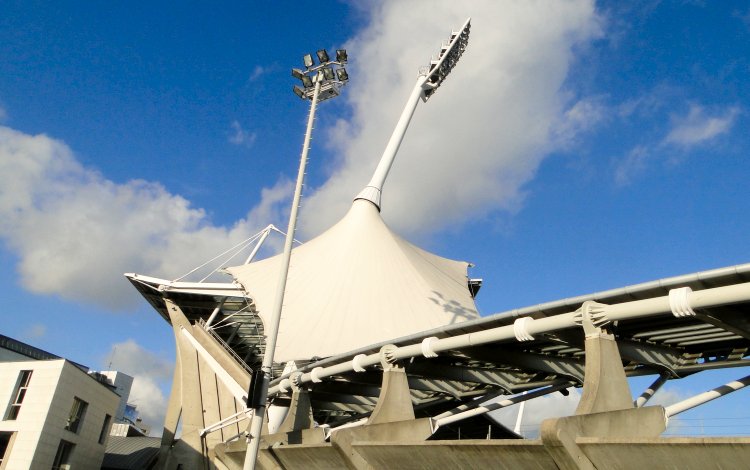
(5, 443)
(76, 415)
(62, 458)
(105, 429)
(19, 393)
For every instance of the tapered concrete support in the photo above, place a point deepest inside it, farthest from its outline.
(605, 386)
(392, 419)
(188, 451)
(207, 387)
(394, 402)
(298, 426)
(606, 408)
(300, 413)
(172, 417)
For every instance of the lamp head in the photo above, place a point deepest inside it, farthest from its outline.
(323, 56)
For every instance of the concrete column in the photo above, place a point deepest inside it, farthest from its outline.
(391, 420)
(394, 401)
(188, 451)
(606, 408)
(172, 418)
(605, 386)
(298, 426)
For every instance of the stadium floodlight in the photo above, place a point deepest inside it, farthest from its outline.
(448, 57)
(320, 83)
(330, 74)
(308, 60)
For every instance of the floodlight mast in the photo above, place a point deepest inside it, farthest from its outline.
(320, 83)
(430, 78)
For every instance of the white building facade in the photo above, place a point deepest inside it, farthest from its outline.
(54, 415)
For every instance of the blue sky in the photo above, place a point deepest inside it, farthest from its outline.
(577, 147)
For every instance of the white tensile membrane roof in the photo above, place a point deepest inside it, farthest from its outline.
(358, 283)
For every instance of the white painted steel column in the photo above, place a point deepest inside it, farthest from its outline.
(519, 417)
(482, 409)
(263, 237)
(374, 188)
(649, 392)
(705, 397)
(214, 313)
(256, 426)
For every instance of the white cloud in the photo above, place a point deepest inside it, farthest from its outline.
(482, 136)
(257, 72)
(632, 165)
(698, 127)
(36, 331)
(240, 136)
(152, 375)
(582, 117)
(76, 232)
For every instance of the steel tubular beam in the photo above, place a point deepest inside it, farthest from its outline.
(625, 311)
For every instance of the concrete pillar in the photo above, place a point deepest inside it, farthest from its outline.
(188, 451)
(605, 386)
(391, 420)
(172, 417)
(606, 408)
(394, 401)
(298, 426)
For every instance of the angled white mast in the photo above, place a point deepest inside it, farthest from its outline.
(430, 78)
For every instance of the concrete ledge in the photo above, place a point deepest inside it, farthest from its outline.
(669, 452)
(309, 457)
(511, 454)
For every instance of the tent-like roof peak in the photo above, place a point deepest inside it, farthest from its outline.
(357, 283)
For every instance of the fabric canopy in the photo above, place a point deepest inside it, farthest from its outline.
(356, 284)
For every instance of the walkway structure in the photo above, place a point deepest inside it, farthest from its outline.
(384, 363)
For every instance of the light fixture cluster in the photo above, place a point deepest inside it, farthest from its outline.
(450, 52)
(331, 73)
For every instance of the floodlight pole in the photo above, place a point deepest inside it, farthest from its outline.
(430, 78)
(256, 425)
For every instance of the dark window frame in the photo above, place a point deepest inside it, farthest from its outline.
(77, 415)
(105, 429)
(62, 456)
(19, 393)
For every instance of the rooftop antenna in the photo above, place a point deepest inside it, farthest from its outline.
(430, 78)
(111, 356)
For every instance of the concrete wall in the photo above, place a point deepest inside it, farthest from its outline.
(44, 413)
